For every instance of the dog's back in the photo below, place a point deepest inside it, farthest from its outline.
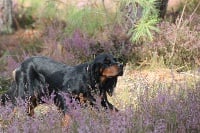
(43, 64)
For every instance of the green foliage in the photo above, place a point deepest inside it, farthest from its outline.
(50, 10)
(87, 19)
(95, 21)
(94, 18)
(31, 6)
(26, 12)
(141, 30)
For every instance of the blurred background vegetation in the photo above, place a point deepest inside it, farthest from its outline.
(159, 42)
(76, 31)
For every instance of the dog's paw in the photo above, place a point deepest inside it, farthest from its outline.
(66, 120)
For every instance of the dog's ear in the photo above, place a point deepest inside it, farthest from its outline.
(97, 68)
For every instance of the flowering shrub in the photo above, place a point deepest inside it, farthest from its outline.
(79, 47)
(177, 44)
(158, 108)
(154, 108)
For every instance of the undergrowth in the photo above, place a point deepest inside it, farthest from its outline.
(157, 108)
(74, 35)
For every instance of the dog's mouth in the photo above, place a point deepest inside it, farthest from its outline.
(110, 94)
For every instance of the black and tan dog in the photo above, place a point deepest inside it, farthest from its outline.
(32, 76)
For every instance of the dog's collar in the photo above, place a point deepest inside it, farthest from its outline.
(87, 68)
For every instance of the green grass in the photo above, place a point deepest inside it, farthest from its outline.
(89, 20)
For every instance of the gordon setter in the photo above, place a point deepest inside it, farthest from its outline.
(32, 76)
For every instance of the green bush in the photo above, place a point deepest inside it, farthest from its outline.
(142, 17)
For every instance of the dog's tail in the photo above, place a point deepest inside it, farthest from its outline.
(14, 73)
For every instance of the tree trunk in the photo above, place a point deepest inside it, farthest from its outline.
(5, 16)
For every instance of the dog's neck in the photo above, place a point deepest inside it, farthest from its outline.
(93, 78)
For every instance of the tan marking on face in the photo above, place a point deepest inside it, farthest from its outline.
(102, 79)
(111, 71)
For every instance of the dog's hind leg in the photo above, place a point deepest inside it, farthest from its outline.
(105, 103)
(60, 102)
(31, 75)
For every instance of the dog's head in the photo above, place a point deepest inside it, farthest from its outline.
(108, 69)
(108, 66)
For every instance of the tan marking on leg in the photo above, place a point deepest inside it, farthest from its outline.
(66, 120)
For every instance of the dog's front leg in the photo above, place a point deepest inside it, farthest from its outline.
(105, 103)
(60, 102)
(91, 99)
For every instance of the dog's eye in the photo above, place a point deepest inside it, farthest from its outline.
(107, 62)
(115, 59)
